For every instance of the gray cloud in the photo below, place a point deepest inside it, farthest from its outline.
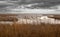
(47, 3)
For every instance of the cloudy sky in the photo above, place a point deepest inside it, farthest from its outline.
(47, 3)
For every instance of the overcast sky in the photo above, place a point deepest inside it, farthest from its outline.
(3, 5)
(31, 0)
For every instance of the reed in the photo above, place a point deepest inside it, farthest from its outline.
(28, 30)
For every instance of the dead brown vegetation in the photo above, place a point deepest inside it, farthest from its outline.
(18, 30)
(28, 30)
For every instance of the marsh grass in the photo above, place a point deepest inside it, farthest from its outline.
(28, 30)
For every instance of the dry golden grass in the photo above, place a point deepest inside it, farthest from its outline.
(28, 30)
(18, 30)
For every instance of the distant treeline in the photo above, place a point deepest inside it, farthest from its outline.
(12, 19)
